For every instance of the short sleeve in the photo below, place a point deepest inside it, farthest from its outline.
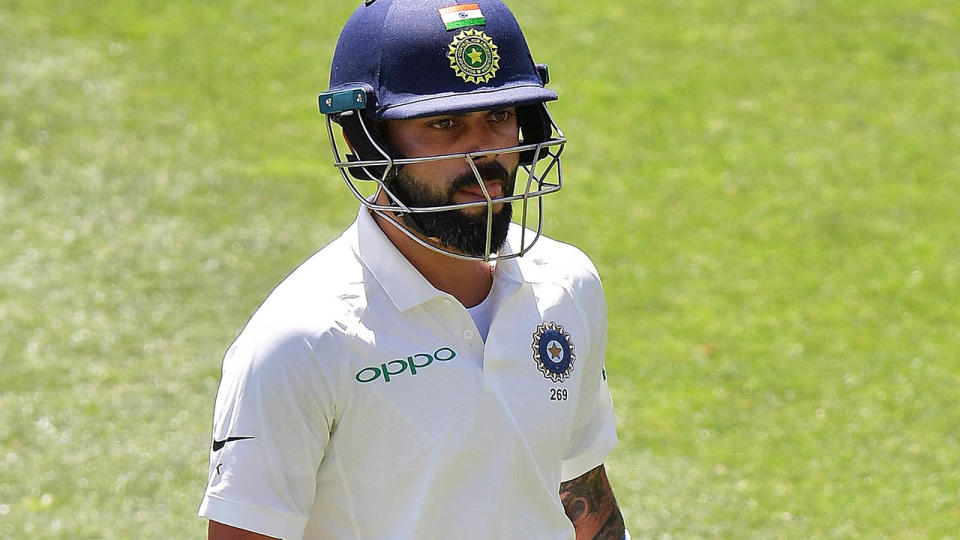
(275, 409)
(595, 424)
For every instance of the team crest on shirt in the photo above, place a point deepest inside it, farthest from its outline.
(553, 351)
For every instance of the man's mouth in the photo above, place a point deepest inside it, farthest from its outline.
(474, 193)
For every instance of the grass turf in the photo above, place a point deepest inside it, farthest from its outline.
(768, 189)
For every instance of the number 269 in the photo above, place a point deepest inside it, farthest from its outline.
(558, 394)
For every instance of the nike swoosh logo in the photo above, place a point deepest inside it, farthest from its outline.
(217, 445)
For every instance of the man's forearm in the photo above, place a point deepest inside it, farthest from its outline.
(589, 503)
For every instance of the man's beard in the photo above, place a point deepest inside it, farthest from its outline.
(456, 230)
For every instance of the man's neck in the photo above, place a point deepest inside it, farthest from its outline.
(469, 281)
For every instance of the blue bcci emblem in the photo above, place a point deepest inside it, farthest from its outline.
(553, 351)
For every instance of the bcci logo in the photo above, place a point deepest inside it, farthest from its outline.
(553, 351)
(473, 56)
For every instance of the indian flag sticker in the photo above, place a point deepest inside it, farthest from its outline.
(462, 15)
(473, 56)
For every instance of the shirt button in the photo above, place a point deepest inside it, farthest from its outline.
(468, 334)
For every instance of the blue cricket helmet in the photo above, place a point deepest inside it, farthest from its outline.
(402, 51)
(401, 59)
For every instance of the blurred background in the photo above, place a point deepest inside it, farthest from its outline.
(768, 188)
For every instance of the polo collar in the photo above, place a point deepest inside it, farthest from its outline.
(405, 285)
(524, 269)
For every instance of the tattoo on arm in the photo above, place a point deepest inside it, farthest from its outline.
(589, 503)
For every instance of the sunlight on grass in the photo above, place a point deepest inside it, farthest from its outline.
(768, 189)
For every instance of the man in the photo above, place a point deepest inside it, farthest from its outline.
(418, 378)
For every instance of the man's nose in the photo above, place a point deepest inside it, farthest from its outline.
(483, 138)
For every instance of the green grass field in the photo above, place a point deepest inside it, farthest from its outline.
(769, 189)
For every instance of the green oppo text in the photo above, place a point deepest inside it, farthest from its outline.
(410, 365)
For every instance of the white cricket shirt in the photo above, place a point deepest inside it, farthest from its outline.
(361, 402)
(481, 315)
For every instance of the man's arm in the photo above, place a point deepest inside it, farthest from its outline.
(589, 503)
(219, 531)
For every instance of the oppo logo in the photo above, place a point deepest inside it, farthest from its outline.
(410, 364)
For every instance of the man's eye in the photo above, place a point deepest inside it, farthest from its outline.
(502, 116)
(445, 123)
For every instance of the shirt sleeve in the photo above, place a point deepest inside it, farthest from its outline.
(274, 412)
(595, 424)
